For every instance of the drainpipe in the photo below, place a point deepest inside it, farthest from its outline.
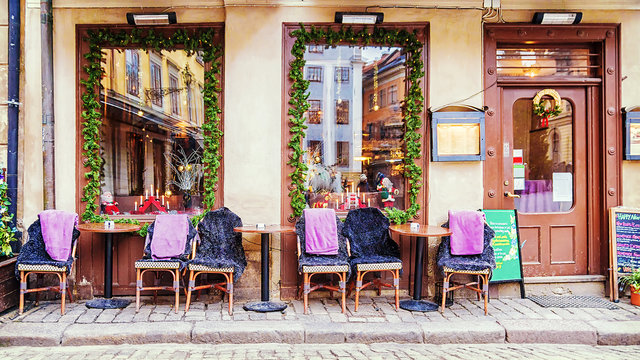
(48, 136)
(13, 92)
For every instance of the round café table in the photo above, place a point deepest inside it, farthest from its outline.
(108, 302)
(417, 304)
(265, 305)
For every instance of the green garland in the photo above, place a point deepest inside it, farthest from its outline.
(412, 106)
(189, 41)
(7, 233)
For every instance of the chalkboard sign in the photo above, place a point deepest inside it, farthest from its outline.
(506, 247)
(624, 231)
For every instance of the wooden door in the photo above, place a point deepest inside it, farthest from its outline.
(544, 177)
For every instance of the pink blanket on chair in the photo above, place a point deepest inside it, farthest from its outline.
(57, 232)
(467, 232)
(321, 232)
(169, 236)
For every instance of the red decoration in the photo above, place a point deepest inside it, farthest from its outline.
(147, 203)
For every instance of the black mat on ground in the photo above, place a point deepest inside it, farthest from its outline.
(573, 302)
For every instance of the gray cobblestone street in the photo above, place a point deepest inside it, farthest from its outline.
(325, 351)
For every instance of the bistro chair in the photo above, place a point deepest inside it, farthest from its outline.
(167, 254)
(219, 251)
(479, 262)
(34, 257)
(311, 264)
(372, 250)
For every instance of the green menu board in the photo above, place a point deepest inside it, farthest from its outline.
(506, 246)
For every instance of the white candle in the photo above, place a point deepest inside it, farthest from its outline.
(141, 200)
(337, 204)
(167, 205)
(157, 194)
(363, 198)
(151, 189)
(162, 200)
(146, 194)
(341, 197)
(368, 202)
(358, 192)
(135, 206)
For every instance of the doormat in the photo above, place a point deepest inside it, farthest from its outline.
(573, 302)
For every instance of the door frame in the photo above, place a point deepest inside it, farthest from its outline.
(604, 129)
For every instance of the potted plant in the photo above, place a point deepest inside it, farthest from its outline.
(633, 280)
(8, 282)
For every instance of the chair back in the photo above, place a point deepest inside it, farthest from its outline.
(342, 241)
(368, 232)
(217, 238)
(467, 262)
(187, 248)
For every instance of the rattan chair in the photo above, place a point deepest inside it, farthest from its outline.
(372, 250)
(173, 266)
(480, 265)
(310, 265)
(34, 259)
(220, 252)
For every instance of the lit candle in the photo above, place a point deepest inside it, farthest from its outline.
(162, 200)
(341, 197)
(167, 205)
(151, 190)
(146, 194)
(358, 192)
(157, 193)
(336, 203)
(368, 202)
(363, 198)
(135, 206)
(141, 200)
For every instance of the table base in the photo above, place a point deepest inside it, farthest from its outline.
(418, 305)
(265, 306)
(107, 303)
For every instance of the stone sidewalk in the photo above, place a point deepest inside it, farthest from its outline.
(509, 320)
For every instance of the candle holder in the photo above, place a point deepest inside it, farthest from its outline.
(148, 203)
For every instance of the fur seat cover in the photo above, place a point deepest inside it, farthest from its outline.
(220, 246)
(33, 252)
(368, 232)
(307, 259)
(467, 262)
(183, 258)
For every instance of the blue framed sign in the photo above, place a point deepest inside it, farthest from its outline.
(457, 136)
(632, 135)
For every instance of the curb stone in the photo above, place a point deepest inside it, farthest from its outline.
(248, 332)
(32, 334)
(617, 332)
(140, 333)
(468, 332)
(551, 332)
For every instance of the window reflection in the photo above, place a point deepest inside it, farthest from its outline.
(356, 159)
(151, 139)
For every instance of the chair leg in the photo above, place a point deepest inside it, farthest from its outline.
(23, 288)
(138, 286)
(191, 283)
(63, 292)
(176, 288)
(305, 294)
(343, 291)
(445, 289)
(485, 290)
(358, 286)
(230, 290)
(396, 281)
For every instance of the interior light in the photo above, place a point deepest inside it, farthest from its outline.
(359, 17)
(557, 18)
(152, 18)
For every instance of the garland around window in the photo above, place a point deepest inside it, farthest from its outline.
(412, 106)
(189, 41)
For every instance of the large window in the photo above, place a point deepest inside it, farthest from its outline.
(314, 73)
(361, 152)
(152, 153)
(132, 58)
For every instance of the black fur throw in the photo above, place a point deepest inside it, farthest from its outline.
(219, 245)
(35, 253)
(182, 258)
(467, 262)
(306, 259)
(368, 232)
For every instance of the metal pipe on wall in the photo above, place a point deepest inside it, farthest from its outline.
(13, 111)
(48, 135)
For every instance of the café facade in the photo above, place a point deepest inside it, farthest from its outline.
(209, 111)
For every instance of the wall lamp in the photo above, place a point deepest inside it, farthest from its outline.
(359, 17)
(557, 18)
(152, 18)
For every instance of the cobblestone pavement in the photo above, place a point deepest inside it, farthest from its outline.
(325, 351)
(376, 309)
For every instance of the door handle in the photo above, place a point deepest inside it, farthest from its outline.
(509, 194)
